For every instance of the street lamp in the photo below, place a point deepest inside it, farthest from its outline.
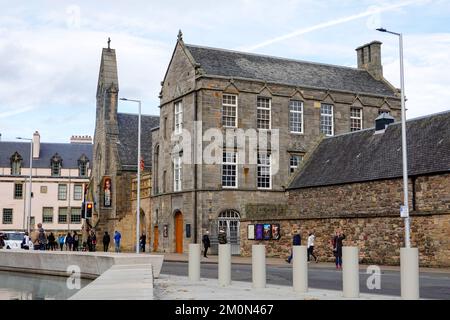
(29, 185)
(404, 150)
(138, 206)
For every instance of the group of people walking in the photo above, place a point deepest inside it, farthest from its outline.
(336, 245)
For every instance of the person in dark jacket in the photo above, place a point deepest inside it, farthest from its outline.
(69, 242)
(296, 241)
(76, 241)
(142, 241)
(337, 248)
(106, 241)
(51, 241)
(206, 243)
(222, 237)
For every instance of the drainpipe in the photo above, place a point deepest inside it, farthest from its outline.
(195, 167)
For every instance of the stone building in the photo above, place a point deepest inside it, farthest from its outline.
(60, 172)
(115, 157)
(354, 182)
(228, 90)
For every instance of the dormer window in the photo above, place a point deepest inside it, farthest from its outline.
(16, 164)
(83, 166)
(55, 165)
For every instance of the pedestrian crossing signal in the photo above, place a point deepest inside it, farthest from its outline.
(89, 208)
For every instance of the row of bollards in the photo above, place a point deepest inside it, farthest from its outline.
(350, 269)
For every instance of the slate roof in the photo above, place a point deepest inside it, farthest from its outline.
(128, 138)
(69, 153)
(365, 156)
(228, 63)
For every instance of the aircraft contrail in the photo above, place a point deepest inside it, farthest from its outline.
(326, 24)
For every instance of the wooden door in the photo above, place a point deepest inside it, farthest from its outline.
(155, 238)
(179, 232)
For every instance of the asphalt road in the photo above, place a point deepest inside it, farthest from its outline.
(432, 285)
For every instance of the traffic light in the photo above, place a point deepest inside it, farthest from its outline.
(89, 208)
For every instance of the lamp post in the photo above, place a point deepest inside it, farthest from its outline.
(404, 150)
(29, 184)
(138, 206)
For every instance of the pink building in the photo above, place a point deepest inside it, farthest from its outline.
(59, 175)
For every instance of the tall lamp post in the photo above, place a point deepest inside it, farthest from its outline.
(29, 184)
(409, 257)
(138, 206)
(404, 150)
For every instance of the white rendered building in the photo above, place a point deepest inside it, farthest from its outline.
(59, 175)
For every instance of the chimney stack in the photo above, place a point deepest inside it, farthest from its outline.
(36, 145)
(382, 121)
(369, 58)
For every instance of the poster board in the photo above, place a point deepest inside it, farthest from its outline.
(251, 232)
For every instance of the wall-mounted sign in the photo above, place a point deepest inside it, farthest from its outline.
(107, 192)
(251, 232)
(276, 231)
(188, 230)
(259, 232)
(267, 231)
(166, 231)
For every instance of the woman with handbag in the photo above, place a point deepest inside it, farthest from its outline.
(337, 248)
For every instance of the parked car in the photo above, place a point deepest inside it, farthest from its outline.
(13, 240)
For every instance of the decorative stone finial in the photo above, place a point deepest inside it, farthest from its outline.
(109, 43)
(180, 35)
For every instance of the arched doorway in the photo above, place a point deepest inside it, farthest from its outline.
(178, 232)
(230, 221)
(155, 238)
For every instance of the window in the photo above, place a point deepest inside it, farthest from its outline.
(18, 190)
(156, 167)
(326, 119)
(62, 215)
(62, 191)
(229, 169)
(296, 116)
(55, 165)
(229, 110)
(177, 174)
(264, 180)
(355, 119)
(78, 192)
(263, 113)
(178, 117)
(83, 166)
(165, 128)
(164, 181)
(7, 216)
(75, 216)
(294, 162)
(16, 164)
(47, 215)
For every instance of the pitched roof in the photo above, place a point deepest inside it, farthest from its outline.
(128, 138)
(365, 156)
(69, 153)
(228, 63)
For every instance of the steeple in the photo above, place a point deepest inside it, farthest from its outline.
(107, 77)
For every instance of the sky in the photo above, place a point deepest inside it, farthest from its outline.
(50, 50)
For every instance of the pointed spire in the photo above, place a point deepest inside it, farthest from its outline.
(180, 35)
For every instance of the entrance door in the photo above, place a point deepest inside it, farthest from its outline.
(155, 238)
(229, 220)
(179, 232)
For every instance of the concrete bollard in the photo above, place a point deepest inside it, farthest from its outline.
(259, 266)
(300, 269)
(350, 272)
(224, 265)
(194, 262)
(409, 273)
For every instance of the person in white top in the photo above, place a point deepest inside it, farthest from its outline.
(311, 239)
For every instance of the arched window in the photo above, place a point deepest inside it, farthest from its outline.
(55, 165)
(16, 164)
(156, 170)
(229, 221)
(83, 166)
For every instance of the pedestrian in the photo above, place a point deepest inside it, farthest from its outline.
(89, 242)
(2, 241)
(311, 239)
(69, 242)
(94, 241)
(25, 242)
(142, 241)
(51, 241)
(337, 247)
(222, 236)
(206, 243)
(117, 238)
(106, 241)
(61, 241)
(76, 241)
(42, 238)
(296, 241)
